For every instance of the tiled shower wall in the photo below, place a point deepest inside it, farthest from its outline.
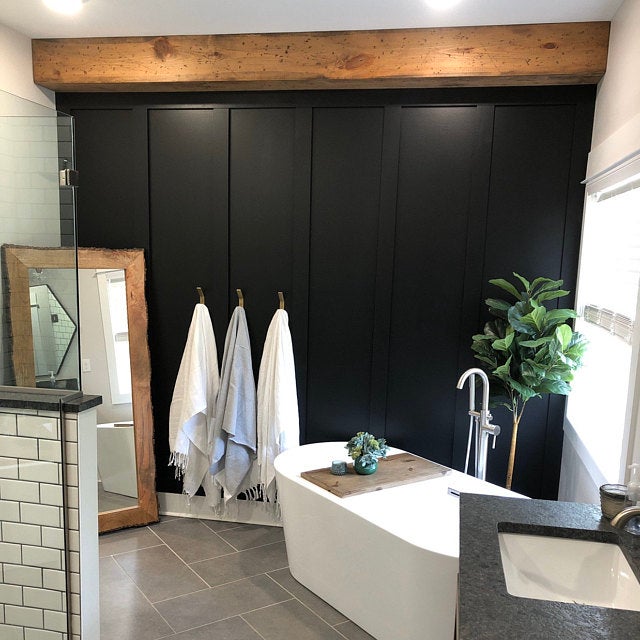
(33, 589)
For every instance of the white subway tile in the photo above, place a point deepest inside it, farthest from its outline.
(21, 533)
(8, 424)
(39, 471)
(50, 450)
(40, 514)
(42, 634)
(11, 594)
(19, 574)
(24, 616)
(53, 537)
(74, 541)
(74, 562)
(8, 468)
(72, 475)
(74, 582)
(51, 494)
(1, 614)
(55, 621)
(9, 511)
(39, 557)
(71, 430)
(10, 553)
(72, 497)
(38, 427)
(75, 621)
(15, 447)
(71, 452)
(72, 519)
(54, 579)
(42, 598)
(12, 633)
(19, 490)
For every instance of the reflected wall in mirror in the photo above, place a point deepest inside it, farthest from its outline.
(115, 351)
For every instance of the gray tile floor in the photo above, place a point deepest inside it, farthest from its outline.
(193, 579)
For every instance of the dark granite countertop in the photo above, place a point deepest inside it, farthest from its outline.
(488, 612)
(47, 399)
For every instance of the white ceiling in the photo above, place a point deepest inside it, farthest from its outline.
(171, 17)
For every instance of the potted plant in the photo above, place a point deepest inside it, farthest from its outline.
(527, 350)
(365, 450)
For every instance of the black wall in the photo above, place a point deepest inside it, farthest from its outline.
(381, 215)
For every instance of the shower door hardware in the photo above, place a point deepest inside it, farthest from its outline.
(69, 178)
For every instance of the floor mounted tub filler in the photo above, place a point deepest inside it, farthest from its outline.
(388, 559)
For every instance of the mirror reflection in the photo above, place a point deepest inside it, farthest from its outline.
(106, 371)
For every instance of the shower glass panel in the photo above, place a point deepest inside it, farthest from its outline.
(40, 318)
(39, 353)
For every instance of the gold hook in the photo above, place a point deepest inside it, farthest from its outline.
(281, 298)
(201, 294)
(240, 298)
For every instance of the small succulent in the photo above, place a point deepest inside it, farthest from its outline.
(367, 447)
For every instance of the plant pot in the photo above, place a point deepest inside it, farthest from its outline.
(364, 469)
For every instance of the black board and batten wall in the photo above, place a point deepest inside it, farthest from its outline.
(381, 215)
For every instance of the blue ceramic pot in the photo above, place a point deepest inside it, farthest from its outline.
(364, 469)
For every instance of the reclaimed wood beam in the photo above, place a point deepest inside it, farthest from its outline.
(534, 54)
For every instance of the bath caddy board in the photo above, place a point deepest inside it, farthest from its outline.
(401, 468)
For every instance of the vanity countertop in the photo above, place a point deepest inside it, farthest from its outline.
(47, 399)
(487, 611)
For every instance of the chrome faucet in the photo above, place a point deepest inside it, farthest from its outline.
(479, 422)
(620, 520)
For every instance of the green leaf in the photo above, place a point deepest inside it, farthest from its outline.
(504, 343)
(557, 316)
(537, 316)
(564, 335)
(552, 295)
(555, 386)
(517, 320)
(533, 344)
(503, 371)
(507, 286)
(495, 303)
(524, 281)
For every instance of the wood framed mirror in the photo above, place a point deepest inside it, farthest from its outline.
(18, 261)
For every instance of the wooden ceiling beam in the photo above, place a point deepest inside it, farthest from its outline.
(535, 54)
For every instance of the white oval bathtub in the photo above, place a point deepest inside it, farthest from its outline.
(388, 560)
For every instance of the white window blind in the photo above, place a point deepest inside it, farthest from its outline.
(601, 405)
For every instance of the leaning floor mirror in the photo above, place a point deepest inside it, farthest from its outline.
(115, 361)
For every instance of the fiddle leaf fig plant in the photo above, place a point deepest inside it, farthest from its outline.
(527, 350)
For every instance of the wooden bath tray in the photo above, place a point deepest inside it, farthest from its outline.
(400, 468)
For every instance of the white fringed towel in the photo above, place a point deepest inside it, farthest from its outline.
(234, 436)
(278, 421)
(193, 405)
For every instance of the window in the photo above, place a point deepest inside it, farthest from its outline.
(601, 407)
(113, 303)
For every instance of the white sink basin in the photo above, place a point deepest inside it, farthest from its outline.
(568, 570)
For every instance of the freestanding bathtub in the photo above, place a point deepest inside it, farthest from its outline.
(388, 560)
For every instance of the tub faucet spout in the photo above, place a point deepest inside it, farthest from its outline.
(479, 421)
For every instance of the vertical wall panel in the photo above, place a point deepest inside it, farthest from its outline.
(188, 197)
(434, 185)
(262, 166)
(526, 220)
(346, 163)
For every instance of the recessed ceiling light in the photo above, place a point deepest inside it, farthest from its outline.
(441, 5)
(68, 7)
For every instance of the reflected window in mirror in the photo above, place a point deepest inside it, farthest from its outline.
(113, 303)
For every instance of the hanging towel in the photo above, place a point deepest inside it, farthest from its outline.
(234, 437)
(278, 422)
(193, 405)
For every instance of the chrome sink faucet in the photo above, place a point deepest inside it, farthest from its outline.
(479, 422)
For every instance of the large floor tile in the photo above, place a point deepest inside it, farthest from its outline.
(126, 540)
(242, 564)
(353, 631)
(220, 525)
(125, 612)
(290, 620)
(159, 573)
(192, 540)
(217, 603)
(248, 536)
(316, 604)
(230, 629)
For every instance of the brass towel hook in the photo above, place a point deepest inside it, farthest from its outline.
(281, 298)
(201, 294)
(240, 298)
